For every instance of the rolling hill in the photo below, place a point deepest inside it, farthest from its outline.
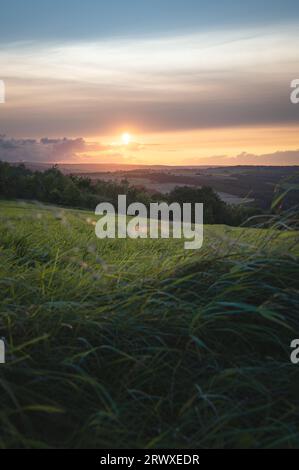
(141, 344)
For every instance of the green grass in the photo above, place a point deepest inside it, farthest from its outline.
(142, 344)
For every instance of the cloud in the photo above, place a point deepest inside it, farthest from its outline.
(279, 158)
(53, 150)
(47, 150)
(200, 80)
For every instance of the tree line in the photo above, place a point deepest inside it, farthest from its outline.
(54, 187)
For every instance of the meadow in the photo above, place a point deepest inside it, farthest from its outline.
(142, 344)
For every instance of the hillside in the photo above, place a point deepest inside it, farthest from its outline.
(142, 344)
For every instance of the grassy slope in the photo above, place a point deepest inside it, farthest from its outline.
(122, 343)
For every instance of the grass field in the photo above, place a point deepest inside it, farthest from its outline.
(142, 344)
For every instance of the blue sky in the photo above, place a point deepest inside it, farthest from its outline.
(74, 19)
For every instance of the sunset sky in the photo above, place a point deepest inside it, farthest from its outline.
(160, 82)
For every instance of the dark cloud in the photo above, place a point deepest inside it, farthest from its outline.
(45, 150)
(231, 107)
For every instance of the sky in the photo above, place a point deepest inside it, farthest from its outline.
(161, 82)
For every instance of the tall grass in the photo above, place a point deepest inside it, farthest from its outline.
(141, 344)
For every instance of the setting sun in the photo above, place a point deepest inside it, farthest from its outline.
(126, 138)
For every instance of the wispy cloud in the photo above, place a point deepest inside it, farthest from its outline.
(181, 82)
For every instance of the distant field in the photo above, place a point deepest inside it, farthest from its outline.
(235, 185)
(140, 343)
(166, 187)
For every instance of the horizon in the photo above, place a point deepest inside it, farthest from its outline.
(143, 166)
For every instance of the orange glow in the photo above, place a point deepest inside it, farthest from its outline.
(197, 147)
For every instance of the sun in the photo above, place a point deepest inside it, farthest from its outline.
(126, 138)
